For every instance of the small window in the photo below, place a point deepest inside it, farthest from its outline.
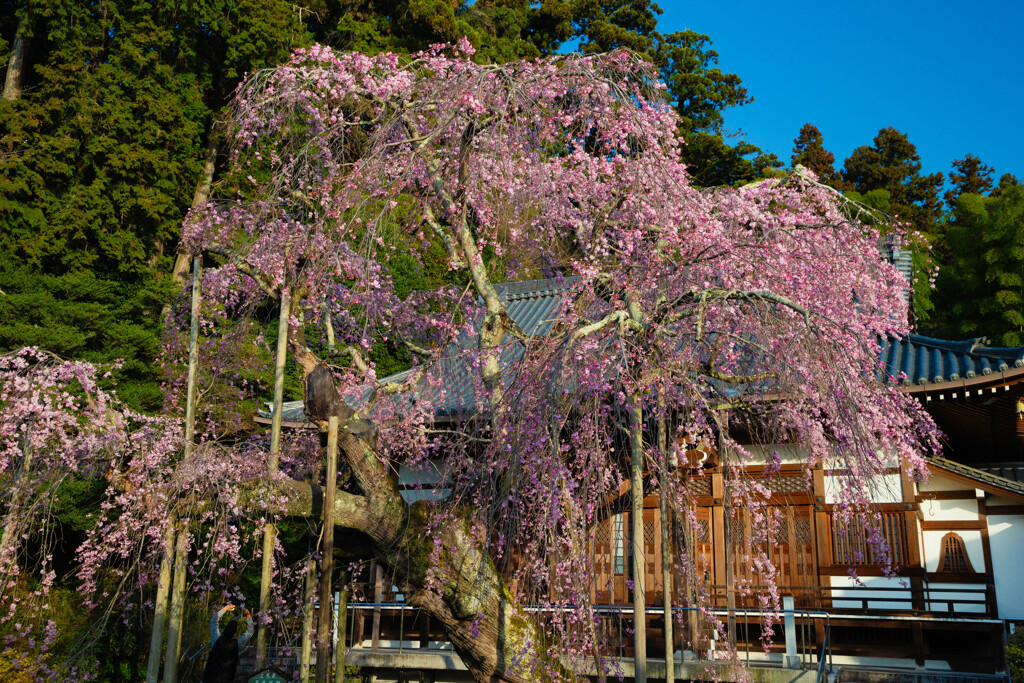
(619, 544)
(953, 556)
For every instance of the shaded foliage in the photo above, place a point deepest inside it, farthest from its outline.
(981, 288)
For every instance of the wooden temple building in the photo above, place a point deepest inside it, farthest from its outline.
(957, 539)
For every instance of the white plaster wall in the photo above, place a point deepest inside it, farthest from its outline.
(846, 586)
(936, 482)
(999, 500)
(1006, 538)
(949, 510)
(962, 595)
(972, 541)
(888, 489)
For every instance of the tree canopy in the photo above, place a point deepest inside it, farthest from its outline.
(809, 151)
(685, 308)
(981, 288)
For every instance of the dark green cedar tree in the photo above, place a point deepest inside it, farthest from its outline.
(809, 151)
(891, 163)
(969, 176)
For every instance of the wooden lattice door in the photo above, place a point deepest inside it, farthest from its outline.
(793, 554)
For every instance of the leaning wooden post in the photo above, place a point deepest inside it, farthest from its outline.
(636, 428)
(177, 611)
(177, 617)
(307, 621)
(666, 553)
(270, 531)
(323, 660)
(163, 587)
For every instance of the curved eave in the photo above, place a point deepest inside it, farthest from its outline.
(993, 380)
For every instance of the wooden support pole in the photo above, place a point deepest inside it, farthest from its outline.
(176, 619)
(666, 585)
(163, 588)
(307, 621)
(270, 531)
(730, 560)
(339, 646)
(323, 643)
(193, 356)
(378, 597)
(636, 426)
(666, 548)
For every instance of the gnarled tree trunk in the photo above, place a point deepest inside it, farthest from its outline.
(472, 604)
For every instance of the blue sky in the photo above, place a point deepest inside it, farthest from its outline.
(948, 74)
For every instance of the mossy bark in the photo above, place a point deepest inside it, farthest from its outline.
(458, 586)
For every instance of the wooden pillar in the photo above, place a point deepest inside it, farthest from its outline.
(176, 620)
(917, 632)
(323, 647)
(180, 563)
(424, 630)
(163, 589)
(270, 530)
(307, 621)
(378, 597)
(666, 552)
(339, 647)
(636, 427)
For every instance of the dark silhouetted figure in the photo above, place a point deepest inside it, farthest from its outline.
(223, 660)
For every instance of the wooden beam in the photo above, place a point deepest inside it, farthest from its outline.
(986, 547)
(1005, 509)
(954, 525)
(946, 495)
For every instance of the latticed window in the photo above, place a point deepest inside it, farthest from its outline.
(619, 543)
(851, 542)
(953, 555)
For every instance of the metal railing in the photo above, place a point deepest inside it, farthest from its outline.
(615, 617)
(879, 599)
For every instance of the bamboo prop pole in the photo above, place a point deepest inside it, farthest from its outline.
(307, 621)
(177, 609)
(636, 427)
(193, 356)
(339, 647)
(163, 587)
(323, 647)
(666, 554)
(270, 531)
(180, 562)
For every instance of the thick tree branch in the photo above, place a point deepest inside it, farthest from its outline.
(245, 269)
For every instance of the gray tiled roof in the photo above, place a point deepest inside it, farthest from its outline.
(926, 360)
(532, 304)
(980, 475)
(1014, 471)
